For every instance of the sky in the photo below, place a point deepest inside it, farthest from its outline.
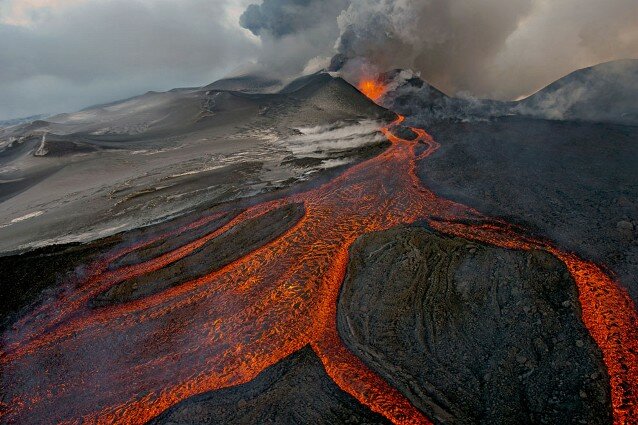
(63, 55)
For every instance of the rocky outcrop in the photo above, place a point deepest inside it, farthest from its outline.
(296, 390)
(53, 145)
(472, 333)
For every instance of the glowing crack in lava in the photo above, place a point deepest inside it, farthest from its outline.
(127, 363)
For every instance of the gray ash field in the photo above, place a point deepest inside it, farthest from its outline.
(158, 243)
(80, 176)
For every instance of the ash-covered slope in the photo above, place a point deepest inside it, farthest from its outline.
(179, 111)
(331, 97)
(603, 93)
(249, 83)
(116, 166)
(409, 95)
(151, 112)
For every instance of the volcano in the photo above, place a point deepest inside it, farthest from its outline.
(189, 146)
(308, 256)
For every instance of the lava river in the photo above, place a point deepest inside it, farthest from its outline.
(126, 363)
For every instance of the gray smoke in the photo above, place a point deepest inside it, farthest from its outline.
(492, 48)
(451, 42)
(297, 35)
(279, 18)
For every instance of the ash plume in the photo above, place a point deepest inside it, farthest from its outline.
(279, 18)
(297, 36)
(452, 43)
(493, 49)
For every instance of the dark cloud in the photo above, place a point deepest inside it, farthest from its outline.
(279, 18)
(499, 49)
(493, 48)
(297, 36)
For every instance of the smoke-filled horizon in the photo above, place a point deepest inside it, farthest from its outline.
(493, 48)
(61, 55)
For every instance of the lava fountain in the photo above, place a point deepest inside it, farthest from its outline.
(372, 88)
(127, 363)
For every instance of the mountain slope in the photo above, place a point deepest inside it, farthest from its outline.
(323, 99)
(605, 93)
(131, 162)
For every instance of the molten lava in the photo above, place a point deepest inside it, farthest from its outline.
(372, 88)
(128, 362)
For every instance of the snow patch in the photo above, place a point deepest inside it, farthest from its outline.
(27, 216)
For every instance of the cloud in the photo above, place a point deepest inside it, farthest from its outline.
(69, 55)
(561, 36)
(60, 55)
(27, 12)
(279, 18)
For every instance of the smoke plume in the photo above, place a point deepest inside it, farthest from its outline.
(500, 49)
(297, 36)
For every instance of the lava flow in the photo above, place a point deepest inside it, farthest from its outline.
(127, 363)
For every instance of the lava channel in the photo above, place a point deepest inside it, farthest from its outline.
(126, 363)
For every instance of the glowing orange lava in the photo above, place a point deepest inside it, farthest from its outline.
(372, 88)
(127, 363)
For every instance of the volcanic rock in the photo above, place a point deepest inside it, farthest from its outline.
(296, 390)
(626, 228)
(568, 182)
(447, 328)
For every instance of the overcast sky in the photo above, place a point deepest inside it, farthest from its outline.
(62, 55)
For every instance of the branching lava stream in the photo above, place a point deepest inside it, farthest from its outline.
(127, 363)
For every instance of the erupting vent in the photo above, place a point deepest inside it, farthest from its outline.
(372, 88)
